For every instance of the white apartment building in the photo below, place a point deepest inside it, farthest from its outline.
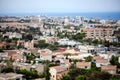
(16, 35)
(66, 41)
(86, 48)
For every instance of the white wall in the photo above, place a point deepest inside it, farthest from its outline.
(53, 73)
(100, 64)
(49, 57)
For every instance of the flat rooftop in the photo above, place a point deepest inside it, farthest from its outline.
(5, 76)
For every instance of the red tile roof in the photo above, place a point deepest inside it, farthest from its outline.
(109, 67)
(102, 61)
(10, 52)
(45, 54)
(83, 64)
(60, 69)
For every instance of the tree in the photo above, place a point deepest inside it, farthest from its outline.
(65, 77)
(8, 40)
(89, 40)
(81, 77)
(47, 73)
(93, 67)
(42, 44)
(1, 50)
(28, 74)
(88, 59)
(115, 77)
(97, 75)
(29, 57)
(114, 60)
(76, 72)
(9, 66)
(95, 41)
(52, 47)
(79, 36)
(66, 55)
(106, 43)
(29, 37)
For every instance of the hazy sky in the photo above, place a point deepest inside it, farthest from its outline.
(37, 6)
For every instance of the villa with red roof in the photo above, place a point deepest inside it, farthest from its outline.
(57, 72)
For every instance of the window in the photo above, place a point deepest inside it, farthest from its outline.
(85, 66)
(18, 79)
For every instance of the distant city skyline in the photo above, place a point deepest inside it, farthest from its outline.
(58, 6)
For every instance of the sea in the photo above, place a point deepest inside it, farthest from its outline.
(99, 15)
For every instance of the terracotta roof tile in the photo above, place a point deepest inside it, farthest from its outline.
(60, 69)
(45, 54)
(109, 67)
(10, 53)
(102, 61)
(83, 63)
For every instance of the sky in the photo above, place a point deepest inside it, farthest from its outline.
(58, 6)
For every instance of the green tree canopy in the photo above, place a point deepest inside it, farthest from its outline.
(81, 77)
(65, 77)
(88, 59)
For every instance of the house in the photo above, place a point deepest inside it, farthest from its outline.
(85, 65)
(2, 66)
(3, 45)
(57, 72)
(11, 76)
(38, 67)
(45, 54)
(29, 44)
(12, 35)
(66, 41)
(17, 57)
(3, 55)
(64, 62)
(71, 51)
(86, 49)
(16, 35)
(101, 62)
(51, 40)
(107, 56)
(10, 53)
(96, 58)
(109, 68)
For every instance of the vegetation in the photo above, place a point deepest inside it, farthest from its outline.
(8, 67)
(78, 37)
(89, 74)
(1, 50)
(73, 73)
(42, 44)
(67, 27)
(81, 77)
(29, 58)
(83, 74)
(7, 70)
(28, 74)
(47, 73)
(65, 77)
(88, 59)
(114, 61)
